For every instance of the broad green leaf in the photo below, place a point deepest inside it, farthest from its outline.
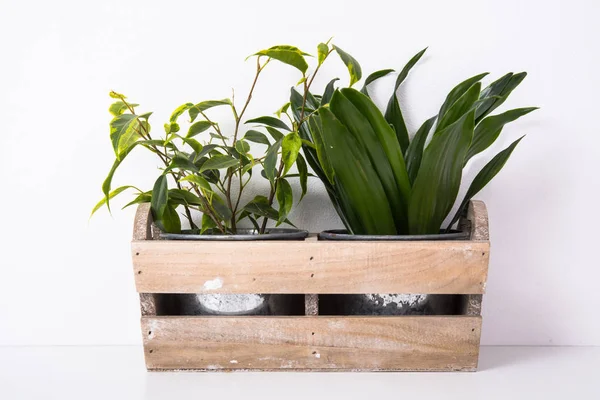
(352, 65)
(180, 110)
(303, 174)
(290, 147)
(363, 196)
(260, 206)
(489, 129)
(116, 95)
(206, 150)
(219, 162)
(124, 131)
(270, 163)
(460, 107)
(184, 197)
(457, 93)
(496, 93)
(195, 110)
(438, 180)
(193, 143)
(322, 52)
(487, 173)
(111, 195)
(257, 137)
(275, 134)
(146, 116)
(288, 55)
(285, 199)
(283, 109)
(269, 121)
(317, 134)
(106, 185)
(198, 127)
(198, 180)
(414, 153)
(219, 205)
(358, 125)
(183, 163)
(170, 222)
(328, 93)
(160, 197)
(242, 146)
(386, 135)
(119, 108)
(207, 223)
(145, 197)
(217, 136)
(373, 77)
(172, 127)
(411, 63)
(393, 115)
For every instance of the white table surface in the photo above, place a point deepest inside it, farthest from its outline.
(117, 372)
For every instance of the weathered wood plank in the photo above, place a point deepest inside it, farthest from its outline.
(448, 267)
(317, 343)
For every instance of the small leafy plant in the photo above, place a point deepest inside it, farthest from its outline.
(379, 179)
(207, 169)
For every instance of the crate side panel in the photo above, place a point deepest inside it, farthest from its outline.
(327, 267)
(314, 343)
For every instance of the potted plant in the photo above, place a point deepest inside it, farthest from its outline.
(385, 185)
(207, 169)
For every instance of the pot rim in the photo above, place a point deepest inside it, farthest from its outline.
(248, 235)
(342, 234)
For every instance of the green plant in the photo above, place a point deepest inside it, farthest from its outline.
(210, 175)
(382, 182)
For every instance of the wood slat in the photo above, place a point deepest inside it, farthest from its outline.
(315, 343)
(445, 267)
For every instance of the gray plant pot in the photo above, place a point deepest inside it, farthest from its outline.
(236, 304)
(390, 303)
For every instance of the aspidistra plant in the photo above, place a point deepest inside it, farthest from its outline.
(379, 179)
(209, 168)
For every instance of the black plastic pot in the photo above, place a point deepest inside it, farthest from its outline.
(236, 304)
(389, 303)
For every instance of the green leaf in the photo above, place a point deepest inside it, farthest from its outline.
(285, 199)
(393, 115)
(217, 136)
(352, 65)
(198, 180)
(322, 52)
(207, 223)
(257, 137)
(242, 146)
(220, 207)
(219, 162)
(193, 143)
(145, 197)
(275, 134)
(328, 93)
(386, 135)
(184, 197)
(363, 197)
(438, 180)
(160, 197)
(414, 153)
(146, 116)
(303, 174)
(460, 107)
(457, 93)
(487, 173)
(283, 109)
(270, 163)
(195, 110)
(198, 127)
(116, 95)
(124, 132)
(180, 110)
(411, 63)
(288, 55)
(496, 93)
(358, 125)
(290, 147)
(269, 121)
(489, 129)
(373, 77)
(169, 222)
(317, 134)
(119, 108)
(260, 206)
(183, 163)
(110, 196)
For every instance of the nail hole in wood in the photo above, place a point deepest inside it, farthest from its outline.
(473, 330)
(312, 275)
(253, 279)
(313, 334)
(314, 352)
(311, 258)
(149, 332)
(483, 254)
(151, 351)
(137, 254)
(139, 272)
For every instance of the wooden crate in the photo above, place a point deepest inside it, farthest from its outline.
(311, 267)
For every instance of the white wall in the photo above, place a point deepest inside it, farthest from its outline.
(66, 281)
